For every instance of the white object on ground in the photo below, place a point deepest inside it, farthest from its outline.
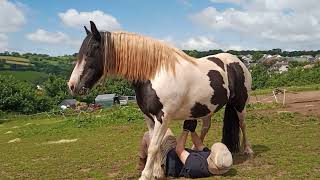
(61, 141)
(8, 132)
(63, 107)
(14, 140)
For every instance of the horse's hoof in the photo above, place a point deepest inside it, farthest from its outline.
(145, 177)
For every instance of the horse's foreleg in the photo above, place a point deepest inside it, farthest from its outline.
(245, 143)
(158, 133)
(150, 124)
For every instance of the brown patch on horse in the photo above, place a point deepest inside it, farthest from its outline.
(220, 94)
(238, 91)
(138, 58)
(199, 110)
(148, 100)
(217, 61)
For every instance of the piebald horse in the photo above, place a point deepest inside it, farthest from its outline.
(169, 84)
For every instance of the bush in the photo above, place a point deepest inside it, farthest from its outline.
(18, 96)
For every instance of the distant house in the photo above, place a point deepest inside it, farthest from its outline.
(246, 59)
(105, 100)
(69, 103)
(280, 66)
(300, 58)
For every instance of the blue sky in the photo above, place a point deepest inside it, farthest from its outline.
(55, 27)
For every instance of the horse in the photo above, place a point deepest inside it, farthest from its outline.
(169, 84)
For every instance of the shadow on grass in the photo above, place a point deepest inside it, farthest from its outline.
(232, 172)
(257, 149)
(4, 121)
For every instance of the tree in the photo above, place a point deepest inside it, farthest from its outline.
(56, 88)
(19, 96)
(260, 76)
(256, 56)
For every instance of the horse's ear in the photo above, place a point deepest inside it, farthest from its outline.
(95, 32)
(87, 31)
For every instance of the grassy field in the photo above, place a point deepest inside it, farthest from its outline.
(104, 145)
(16, 60)
(25, 75)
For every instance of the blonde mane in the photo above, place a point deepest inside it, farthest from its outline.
(138, 58)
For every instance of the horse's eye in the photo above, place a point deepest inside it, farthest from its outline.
(95, 46)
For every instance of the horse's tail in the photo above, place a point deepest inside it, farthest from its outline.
(231, 129)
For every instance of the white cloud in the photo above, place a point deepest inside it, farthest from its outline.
(47, 37)
(226, 1)
(203, 43)
(44, 36)
(199, 43)
(11, 17)
(76, 19)
(283, 21)
(3, 42)
(192, 43)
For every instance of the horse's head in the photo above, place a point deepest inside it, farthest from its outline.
(89, 67)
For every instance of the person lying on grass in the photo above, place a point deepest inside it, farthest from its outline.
(178, 161)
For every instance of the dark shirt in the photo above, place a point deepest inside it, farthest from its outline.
(196, 165)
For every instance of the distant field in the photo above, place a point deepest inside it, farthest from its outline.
(25, 75)
(104, 145)
(18, 59)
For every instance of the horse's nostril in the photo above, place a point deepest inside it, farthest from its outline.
(71, 87)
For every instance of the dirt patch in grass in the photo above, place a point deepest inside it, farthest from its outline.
(306, 103)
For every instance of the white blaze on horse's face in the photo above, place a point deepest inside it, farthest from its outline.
(76, 74)
(89, 66)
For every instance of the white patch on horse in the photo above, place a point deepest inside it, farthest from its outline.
(62, 141)
(77, 72)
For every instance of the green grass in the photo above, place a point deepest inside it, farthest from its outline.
(25, 75)
(286, 145)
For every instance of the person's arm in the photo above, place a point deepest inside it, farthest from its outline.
(197, 141)
(181, 152)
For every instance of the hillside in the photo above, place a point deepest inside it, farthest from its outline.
(43, 63)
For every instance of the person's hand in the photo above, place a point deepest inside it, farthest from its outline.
(190, 125)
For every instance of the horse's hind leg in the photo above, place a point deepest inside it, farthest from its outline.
(206, 124)
(245, 143)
